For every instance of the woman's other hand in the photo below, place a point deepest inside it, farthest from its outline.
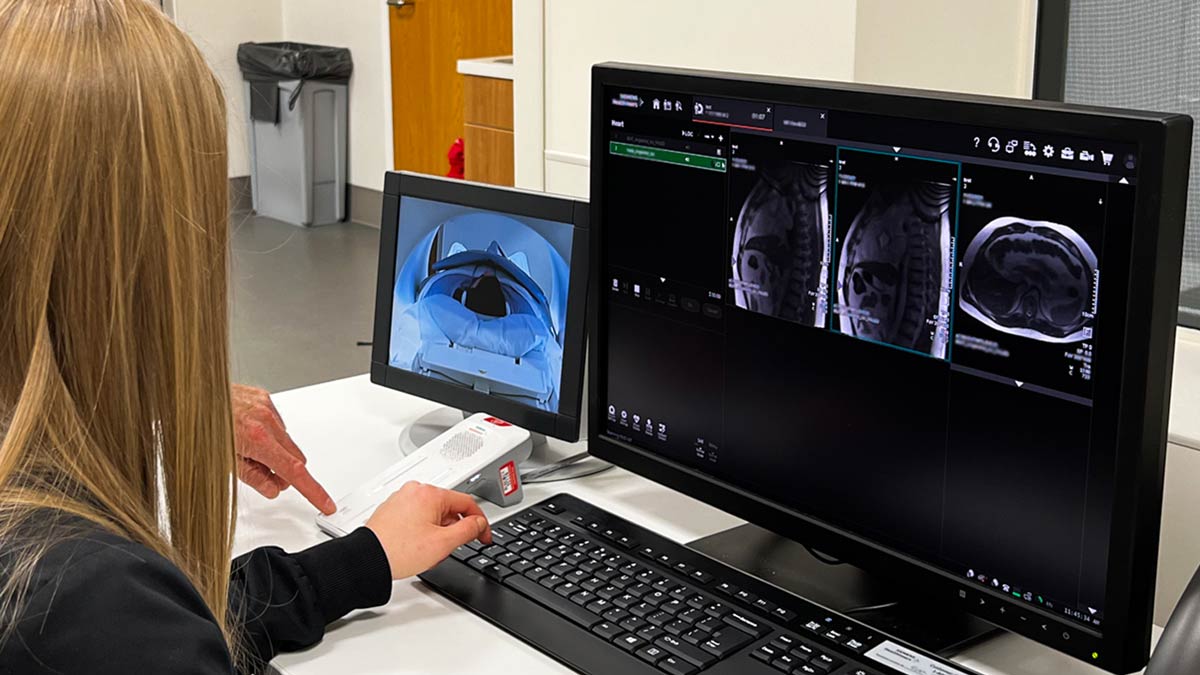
(419, 525)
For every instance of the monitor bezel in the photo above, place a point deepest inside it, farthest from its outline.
(563, 425)
(1131, 401)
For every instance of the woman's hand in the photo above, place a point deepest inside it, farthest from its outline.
(419, 525)
(268, 459)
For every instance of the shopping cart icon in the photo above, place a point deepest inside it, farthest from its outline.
(1107, 157)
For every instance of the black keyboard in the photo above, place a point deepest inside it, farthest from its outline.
(603, 595)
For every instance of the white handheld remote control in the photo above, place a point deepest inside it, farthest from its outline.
(478, 456)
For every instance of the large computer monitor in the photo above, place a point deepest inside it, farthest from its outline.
(481, 300)
(928, 334)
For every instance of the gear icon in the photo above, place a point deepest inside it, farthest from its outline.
(1048, 151)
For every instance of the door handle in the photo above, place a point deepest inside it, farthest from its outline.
(401, 3)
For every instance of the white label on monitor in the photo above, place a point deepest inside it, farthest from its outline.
(907, 661)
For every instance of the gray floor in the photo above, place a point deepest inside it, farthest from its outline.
(302, 298)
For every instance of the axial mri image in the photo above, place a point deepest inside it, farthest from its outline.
(480, 300)
(780, 245)
(1030, 278)
(894, 263)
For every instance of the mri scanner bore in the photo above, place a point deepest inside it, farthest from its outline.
(480, 300)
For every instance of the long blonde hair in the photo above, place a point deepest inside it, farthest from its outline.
(113, 312)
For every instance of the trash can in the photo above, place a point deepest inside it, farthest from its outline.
(298, 109)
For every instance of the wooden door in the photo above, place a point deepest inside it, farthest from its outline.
(428, 37)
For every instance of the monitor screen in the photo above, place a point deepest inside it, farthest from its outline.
(888, 324)
(479, 300)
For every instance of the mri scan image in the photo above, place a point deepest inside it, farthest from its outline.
(1030, 278)
(780, 245)
(480, 300)
(894, 267)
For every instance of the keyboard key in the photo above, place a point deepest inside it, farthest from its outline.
(693, 655)
(576, 576)
(655, 598)
(785, 662)
(561, 551)
(592, 584)
(521, 566)
(622, 581)
(647, 552)
(710, 624)
(566, 588)
(551, 580)
(569, 538)
(553, 508)
(804, 651)
(651, 653)
(481, 561)
(561, 569)
(701, 576)
(825, 662)
(672, 607)
(746, 624)
(584, 546)
(725, 642)
(633, 623)
(783, 614)
(599, 606)
(727, 588)
(805, 669)
(585, 598)
(690, 615)
(765, 653)
(764, 605)
(575, 558)
(638, 590)
(609, 592)
(631, 568)
(625, 601)
(683, 568)
(667, 586)
(659, 618)
(558, 604)
(502, 538)
(547, 561)
(717, 609)
(496, 572)
(532, 553)
(695, 600)
(624, 542)
(665, 559)
(677, 627)
(475, 545)
(519, 546)
(537, 572)
(629, 642)
(746, 597)
(607, 630)
(651, 633)
(673, 665)
(462, 553)
(590, 566)
(642, 609)
(694, 636)
(784, 642)
(616, 615)
(648, 576)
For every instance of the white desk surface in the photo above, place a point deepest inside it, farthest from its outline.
(349, 430)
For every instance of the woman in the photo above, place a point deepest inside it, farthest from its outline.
(117, 461)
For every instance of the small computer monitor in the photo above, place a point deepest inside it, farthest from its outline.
(926, 333)
(481, 300)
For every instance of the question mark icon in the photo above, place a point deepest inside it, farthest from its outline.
(976, 141)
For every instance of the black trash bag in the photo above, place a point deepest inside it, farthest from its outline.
(266, 64)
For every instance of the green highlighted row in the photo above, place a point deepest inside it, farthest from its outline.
(668, 156)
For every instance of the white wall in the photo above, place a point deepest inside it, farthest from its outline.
(803, 38)
(218, 27)
(361, 26)
(981, 46)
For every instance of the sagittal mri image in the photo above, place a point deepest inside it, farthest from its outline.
(781, 244)
(480, 300)
(1030, 278)
(894, 265)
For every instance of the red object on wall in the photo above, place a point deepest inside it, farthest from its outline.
(457, 157)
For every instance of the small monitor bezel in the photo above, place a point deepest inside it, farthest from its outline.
(563, 425)
(1132, 391)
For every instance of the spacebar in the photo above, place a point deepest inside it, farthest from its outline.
(552, 600)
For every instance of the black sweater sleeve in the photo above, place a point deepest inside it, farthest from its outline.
(283, 602)
(101, 604)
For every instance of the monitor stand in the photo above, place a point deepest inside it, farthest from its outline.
(845, 588)
(546, 451)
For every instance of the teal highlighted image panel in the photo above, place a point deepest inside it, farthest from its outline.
(895, 227)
